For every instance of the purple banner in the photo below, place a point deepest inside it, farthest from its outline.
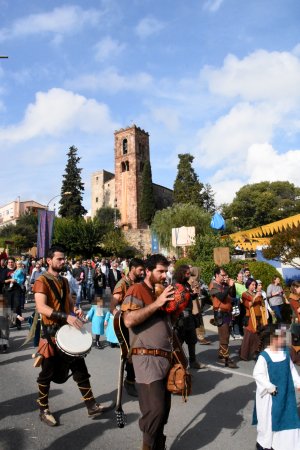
(45, 230)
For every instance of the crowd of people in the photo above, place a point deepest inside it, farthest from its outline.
(159, 300)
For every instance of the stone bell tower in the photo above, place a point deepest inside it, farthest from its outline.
(131, 152)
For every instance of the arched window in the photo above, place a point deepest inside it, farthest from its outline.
(125, 147)
(124, 166)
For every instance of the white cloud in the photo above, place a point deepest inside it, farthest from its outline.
(62, 20)
(212, 5)
(263, 162)
(261, 76)
(225, 190)
(57, 111)
(110, 80)
(149, 26)
(232, 134)
(108, 48)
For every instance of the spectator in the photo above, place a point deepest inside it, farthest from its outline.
(255, 319)
(89, 275)
(114, 275)
(276, 296)
(222, 291)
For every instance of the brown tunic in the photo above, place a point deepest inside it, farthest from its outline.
(294, 300)
(153, 333)
(42, 286)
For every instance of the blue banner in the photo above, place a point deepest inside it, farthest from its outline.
(154, 243)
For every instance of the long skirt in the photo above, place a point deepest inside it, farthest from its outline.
(250, 345)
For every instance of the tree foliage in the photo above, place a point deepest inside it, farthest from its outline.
(107, 217)
(23, 233)
(285, 247)
(203, 250)
(71, 205)
(261, 203)
(147, 202)
(80, 237)
(176, 216)
(208, 198)
(114, 243)
(187, 187)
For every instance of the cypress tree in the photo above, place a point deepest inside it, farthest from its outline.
(187, 187)
(71, 204)
(147, 204)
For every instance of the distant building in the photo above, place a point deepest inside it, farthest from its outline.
(11, 212)
(122, 189)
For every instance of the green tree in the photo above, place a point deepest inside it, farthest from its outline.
(187, 187)
(80, 237)
(23, 233)
(261, 203)
(106, 217)
(147, 202)
(178, 216)
(203, 250)
(208, 197)
(71, 205)
(114, 243)
(285, 247)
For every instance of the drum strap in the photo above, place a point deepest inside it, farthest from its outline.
(61, 300)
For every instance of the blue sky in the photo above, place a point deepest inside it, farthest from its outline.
(216, 78)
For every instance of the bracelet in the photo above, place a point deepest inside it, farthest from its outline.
(58, 315)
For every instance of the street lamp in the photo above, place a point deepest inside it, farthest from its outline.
(55, 196)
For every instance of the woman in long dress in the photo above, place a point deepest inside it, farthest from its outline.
(278, 422)
(255, 319)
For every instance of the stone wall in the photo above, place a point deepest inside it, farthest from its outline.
(163, 196)
(139, 239)
(98, 190)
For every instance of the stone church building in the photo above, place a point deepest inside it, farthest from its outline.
(122, 190)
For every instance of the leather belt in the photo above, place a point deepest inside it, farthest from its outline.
(152, 352)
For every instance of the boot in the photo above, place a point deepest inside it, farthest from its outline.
(98, 344)
(94, 409)
(231, 364)
(200, 331)
(45, 414)
(197, 365)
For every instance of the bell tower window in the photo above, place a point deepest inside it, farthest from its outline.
(125, 166)
(125, 147)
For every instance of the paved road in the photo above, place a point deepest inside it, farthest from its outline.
(216, 416)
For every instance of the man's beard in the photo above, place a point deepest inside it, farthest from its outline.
(57, 269)
(153, 280)
(138, 278)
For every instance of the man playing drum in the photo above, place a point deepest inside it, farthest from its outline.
(54, 303)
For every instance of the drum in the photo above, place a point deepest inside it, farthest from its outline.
(74, 342)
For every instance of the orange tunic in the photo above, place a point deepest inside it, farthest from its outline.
(43, 286)
(256, 313)
(294, 300)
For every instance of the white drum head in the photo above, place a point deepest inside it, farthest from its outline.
(73, 341)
